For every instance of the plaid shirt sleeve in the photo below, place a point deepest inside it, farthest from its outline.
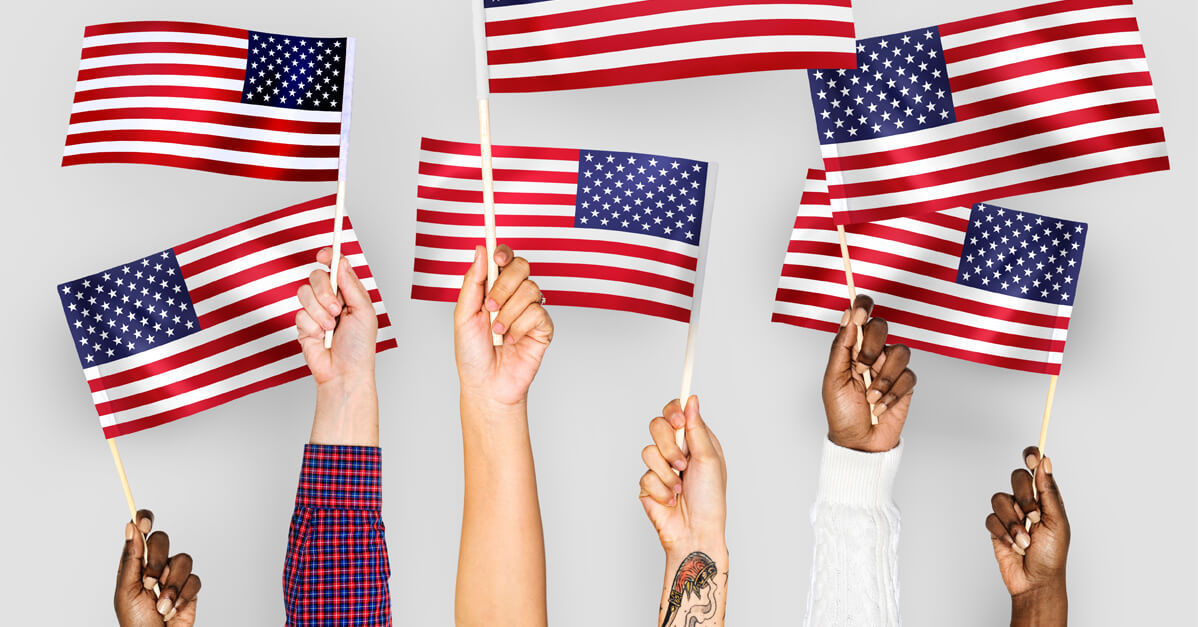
(337, 572)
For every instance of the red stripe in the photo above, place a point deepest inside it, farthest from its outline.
(1059, 181)
(866, 282)
(1006, 163)
(476, 219)
(164, 47)
(503, 198)
(574, 299)
(674, 35)
(500, 174)
(1026, 98)
(1026, 13)
(158, 91)
(171, 69)
(207, 165)
(284, 236)
(297, 259)
(671, 70)
(210, 117)
(573, 271)
(993, 136)
(817, 175)
(981, 358)
(926, 323)
(548, 243)
(866, 255)
(891, 233)
(1045, 35)
(133, 426)
(317, 203)
(497, 28)
(206, 141)
(514, 152)
(164, 27)
(1056, 61)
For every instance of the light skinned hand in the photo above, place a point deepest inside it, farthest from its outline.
(688, 510)
(846, 399)
(499, 376)
(350, 312)
(1032, 562)
(144, 564)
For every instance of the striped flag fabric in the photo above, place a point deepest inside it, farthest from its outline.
(197, 325)
(225, 100)
(986, 284)
(547, 45)
(1022, 101)
(602, 229)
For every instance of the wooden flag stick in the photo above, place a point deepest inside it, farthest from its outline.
(338, 219)
(120, 471)
(484, 135)
(688, 372)
(848, 279)
(692, 332)
(1052, 393)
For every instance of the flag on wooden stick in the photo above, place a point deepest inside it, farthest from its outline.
(197, 325)
(985, 284)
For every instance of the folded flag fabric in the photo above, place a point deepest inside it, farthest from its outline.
(601, 228)
(986, 284)
(546, 45)
(200, 324)
(212, 98)
(1033, 99)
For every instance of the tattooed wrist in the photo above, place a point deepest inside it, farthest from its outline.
(696, 592)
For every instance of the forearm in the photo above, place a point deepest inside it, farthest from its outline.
(501, 563)
(1041, 608)
(696, 585)
(347, 412)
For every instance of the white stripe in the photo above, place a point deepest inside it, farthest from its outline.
(158, 80)
(536, 9)
(201, 152)
(572, 284)
(1008, 29)
(205, 104)
(507, 209)
(521, 232)
(534, 257)
(204, 128)
(260, 286)
(669, 52)
(150, 36)
(1037, 51)
(1051, 78)
(501, 186)
(499, 163)
(161, 57)
(673, 19)
(255, 232)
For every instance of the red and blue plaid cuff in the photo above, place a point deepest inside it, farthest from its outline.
(341, 477)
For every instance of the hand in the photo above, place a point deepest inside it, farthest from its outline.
(350, 312)
(134, 600)
(688, 510)
(1032, 562)
(846, 400)
(499, 375)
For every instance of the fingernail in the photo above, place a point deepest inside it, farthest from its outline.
(168, 617)
(873, 396)
(497, 328)
(1019, 512)
(329, 325)
(1022, 540)
(879, 409)
(1034, 516)
(680, 464)
(164, 606)
(149, 582)
(678, 488)
(673, 502)
(128, 531)
(1031, 462)
(492, 305)
(844, 320)
(1017, 549)
(511, 339)
(1047, 465)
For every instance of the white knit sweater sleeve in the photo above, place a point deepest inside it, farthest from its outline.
(854, 572)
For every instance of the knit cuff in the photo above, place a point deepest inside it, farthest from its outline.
(854, 478)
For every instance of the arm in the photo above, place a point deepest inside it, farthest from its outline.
(145, 564)
(856, 523)
(337, 565)
(1032, 559)
(688, 510)
(501, 563)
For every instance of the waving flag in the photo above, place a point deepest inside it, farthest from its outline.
(200, 324)
(212, 98)
(1022, 101)
(605, 229)
(546, 45)
(987, 284)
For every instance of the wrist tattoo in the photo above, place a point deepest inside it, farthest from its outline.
(696, 577)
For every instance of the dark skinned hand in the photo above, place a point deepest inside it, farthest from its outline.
(144, 564)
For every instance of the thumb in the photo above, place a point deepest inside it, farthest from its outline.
(840, 360)
(352, 290)
(1051, 504)
(129, 574)
(470, 299)
(698, 438)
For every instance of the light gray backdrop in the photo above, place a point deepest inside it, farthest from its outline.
(223, 482)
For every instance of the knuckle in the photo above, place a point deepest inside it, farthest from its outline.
(647, 453)
(999, 499)
(900, 351)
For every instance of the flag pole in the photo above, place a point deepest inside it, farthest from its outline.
(342, 170)
(1052, 393)
(692, 332)
(848, 279)
(483, 92)
(120, 471)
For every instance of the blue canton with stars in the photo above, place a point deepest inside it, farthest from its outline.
(1022, 254)
(295, 72)
(900, 85)
(128, 309)
(638, 193)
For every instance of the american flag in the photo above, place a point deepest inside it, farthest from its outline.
(545, 45)
(986, 284)
(1022, 101)
(212, 98)
(601, 228)
(194, 326)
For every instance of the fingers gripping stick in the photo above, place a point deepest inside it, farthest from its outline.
(848, 278)
(335, 265)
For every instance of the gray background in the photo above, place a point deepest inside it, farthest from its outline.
(223, 482)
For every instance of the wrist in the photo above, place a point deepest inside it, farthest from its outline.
(347, 411)
(715, 547)
(483, 404)
(1044, 606)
